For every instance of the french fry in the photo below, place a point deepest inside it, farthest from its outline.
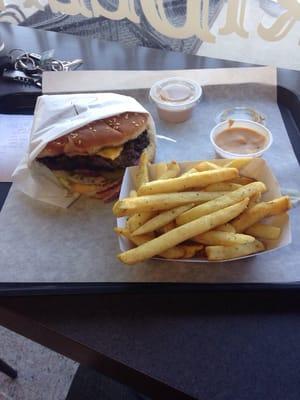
(161, 168)
(196, 180)
(222, 187)
(206, 166)
(263, 231)
(189, 172)
(181, 234)
(216, 253)
(254, 199)
(242, 180)
(172, 171)
(226, 228)
(221, 202)
(238, 163)
(216, 238)
(174, 252)
(137, 240)
(142, 175)
(138, 219)
(168, 227)
(132, 193)
(190, 250)
(157, 202)
(260, 211)
(161, 219)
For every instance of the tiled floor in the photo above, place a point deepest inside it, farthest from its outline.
(43, 374)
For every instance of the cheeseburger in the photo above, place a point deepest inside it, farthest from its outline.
(91, 160)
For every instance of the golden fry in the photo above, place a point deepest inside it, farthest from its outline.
(168, 227)
(196, 180)
(260, 211)
(173, 170)
(216, 253)
(222, 187)
(164, 201)
(142, 175)
(161, 219)
(216, 238)
(225, 228)
(138, 219)
(242, 180)
(262, 231)
(206, 166)
(189, 172)
(161, 168)
(137, 240)
(221, 202)
(238, 163)
(181, 234)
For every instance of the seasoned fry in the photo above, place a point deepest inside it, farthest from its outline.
(142, 175)
(161, 168)
(226, 228)
(174, 252)
(242, 180)
(221, 202)
(223, 238)
(190, 171)
(182, 233)
(157, 202)
(161, 219)
(132, 193)
(137, 240)
(263, 231)
(168, 227)
(206, 166)
(238, 163)
(190, 250)
(222, 187)
(196, 180)
(260, 211)
(173, 170)
(138, 219)
(216, 253)
(254, 199)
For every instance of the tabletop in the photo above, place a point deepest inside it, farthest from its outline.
(209, 345)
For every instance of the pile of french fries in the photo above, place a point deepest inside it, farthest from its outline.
(209, 211)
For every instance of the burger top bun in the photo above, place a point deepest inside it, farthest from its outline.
(89, 139)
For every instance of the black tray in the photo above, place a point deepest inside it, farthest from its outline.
(22, 103)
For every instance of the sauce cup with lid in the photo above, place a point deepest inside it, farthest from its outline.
(240, 138)
(175, 98)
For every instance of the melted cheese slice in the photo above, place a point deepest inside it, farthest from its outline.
(110, 152)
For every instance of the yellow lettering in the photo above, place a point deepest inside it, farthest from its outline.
(235, 19)
(74, 7)
(196, 22)
(125, 9)
(283, 24)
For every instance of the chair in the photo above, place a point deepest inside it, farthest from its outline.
(7, 370)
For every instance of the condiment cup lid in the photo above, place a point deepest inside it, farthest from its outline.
(241, 113)
(175, 93)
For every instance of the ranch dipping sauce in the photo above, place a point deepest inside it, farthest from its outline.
(240, 138)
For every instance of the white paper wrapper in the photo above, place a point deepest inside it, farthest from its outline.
(257, 169)
(55, 116)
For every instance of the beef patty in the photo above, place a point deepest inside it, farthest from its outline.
(129, 156)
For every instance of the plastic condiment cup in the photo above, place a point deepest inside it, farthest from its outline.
(175, 98)
(255, 126)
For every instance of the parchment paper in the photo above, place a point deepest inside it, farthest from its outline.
(45, 244)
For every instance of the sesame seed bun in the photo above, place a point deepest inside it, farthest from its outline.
(108, 132)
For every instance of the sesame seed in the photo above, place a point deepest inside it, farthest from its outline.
(94, 130)
(136, 124)
(126, 116)
(133, 122)
(79, 141)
